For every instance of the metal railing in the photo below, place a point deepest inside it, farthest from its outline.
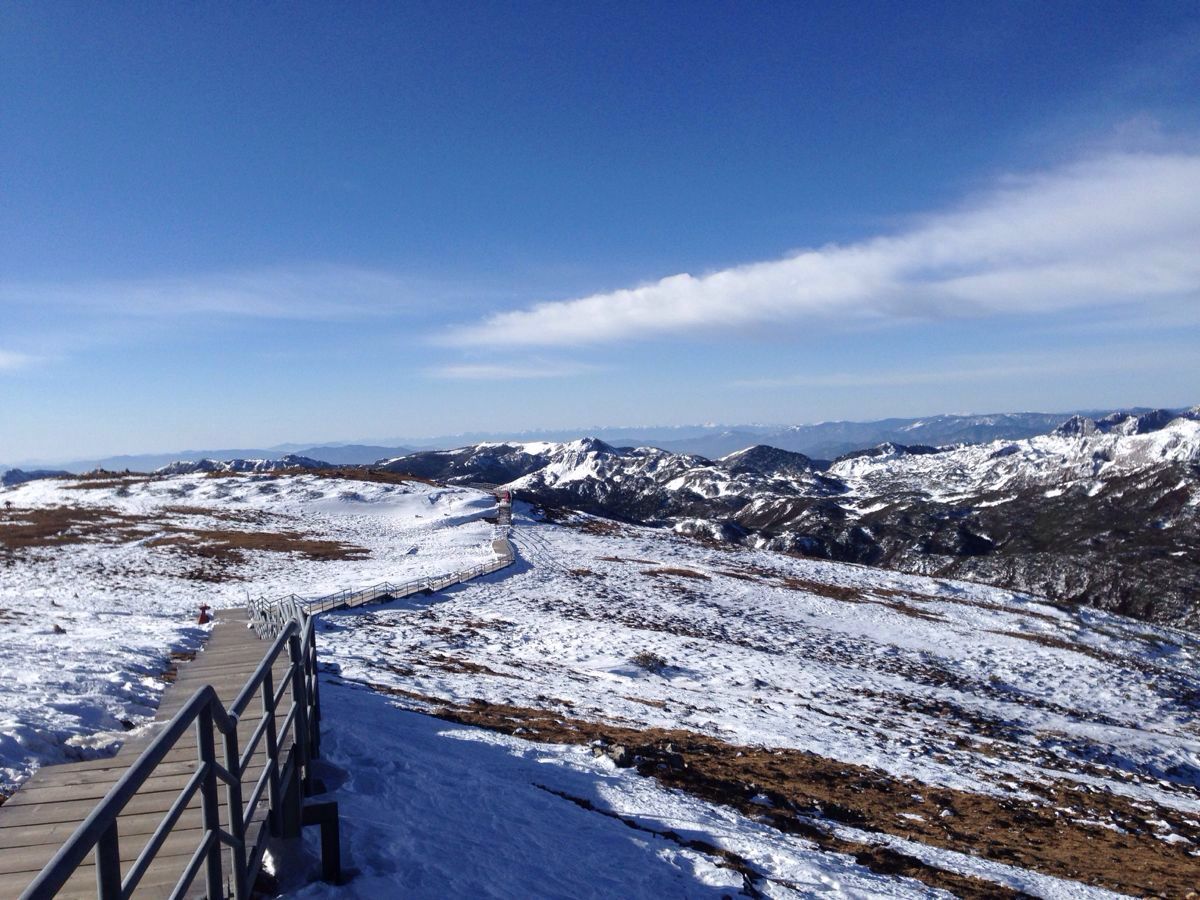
(269, 615)
(290, 746)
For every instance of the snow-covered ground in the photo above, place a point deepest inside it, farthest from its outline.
(969, 703)
(124, 603)
(757, 655)
(436, 810)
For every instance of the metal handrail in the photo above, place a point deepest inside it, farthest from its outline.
(99, 832)
(267, 616)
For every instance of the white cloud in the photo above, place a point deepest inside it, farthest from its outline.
(1123, 229)
(508, 371)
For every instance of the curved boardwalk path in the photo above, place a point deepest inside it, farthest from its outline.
(51, 805)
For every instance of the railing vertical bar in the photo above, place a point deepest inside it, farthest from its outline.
(300, 734)
(274, 797)
(108, 864)
(208, 803)
(237, 824)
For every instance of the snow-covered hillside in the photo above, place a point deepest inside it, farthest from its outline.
(1104, 513)
(625, 711)
(121, 566)
(1076, 453)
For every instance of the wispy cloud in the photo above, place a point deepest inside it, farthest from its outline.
(509, 371)
(1121, 229)
(307, 292)
(10, 362)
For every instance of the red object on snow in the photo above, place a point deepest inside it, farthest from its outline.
(205, 618)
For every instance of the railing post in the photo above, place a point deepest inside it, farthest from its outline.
(300, 698)
(208, 803)
(274, 797)
(314, 695)
(108, 865)
(237, 824)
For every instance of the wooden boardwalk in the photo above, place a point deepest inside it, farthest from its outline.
(47, 809)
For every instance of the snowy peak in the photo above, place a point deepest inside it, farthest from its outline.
(1103, 512)
(763, 460)
(644, 483)
(291, 461)
(1124, 422)
(889, 450)
(1076, 426)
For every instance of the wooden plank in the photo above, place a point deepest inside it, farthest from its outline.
(59, 776)
(54, 834)
(53, 793)
(182, 841)
(158, 882)
(168, 776)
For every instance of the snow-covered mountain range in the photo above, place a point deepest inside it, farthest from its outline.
(624, 706)
(239, 464)
(1099, 511)
(824, 440)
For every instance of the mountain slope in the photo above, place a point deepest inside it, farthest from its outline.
(1100, 512)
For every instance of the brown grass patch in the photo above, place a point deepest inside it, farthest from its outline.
(657, 704)
(678, 573)
(459, 666)
(803, 789)
(832, 591)
(847, 594)
(964, 601)
(570, 518)
(230, 545)
(58, 526)
(1047, 640)
(594, 526)
(51, 526)
(246, 516)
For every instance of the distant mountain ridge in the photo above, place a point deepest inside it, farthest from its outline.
(1100, 511)
(290, 461)
(822, 440)
(334, 454)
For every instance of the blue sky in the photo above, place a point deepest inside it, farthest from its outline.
(244, 224)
